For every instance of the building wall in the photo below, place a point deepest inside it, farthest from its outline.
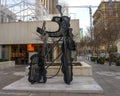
(50, 5)
(19, 33)
(25, 32)
(106, 21)
(118, 45)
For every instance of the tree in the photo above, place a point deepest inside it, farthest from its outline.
(107, 30)
(85, 42)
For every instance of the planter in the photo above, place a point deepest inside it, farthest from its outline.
(7, 64)
(93, 58)
(117, 62)
(83, 70)
(101, 60)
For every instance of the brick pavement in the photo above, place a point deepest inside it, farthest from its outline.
(108, 77)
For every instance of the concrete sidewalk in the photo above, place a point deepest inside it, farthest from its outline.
(108, 77)
(10, 75)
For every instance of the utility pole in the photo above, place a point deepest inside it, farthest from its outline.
(90, 13)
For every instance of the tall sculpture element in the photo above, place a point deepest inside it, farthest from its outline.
(38, 69)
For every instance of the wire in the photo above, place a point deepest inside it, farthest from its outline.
(55, 74)
(54, 44)
(54, 60)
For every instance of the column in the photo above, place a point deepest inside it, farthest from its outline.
(9, 50)
(0, 51)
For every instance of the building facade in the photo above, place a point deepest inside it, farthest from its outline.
(50, 5)
(106, 21)
(5, 16)
(23, 40)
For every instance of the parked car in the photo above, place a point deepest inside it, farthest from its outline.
(116, 55)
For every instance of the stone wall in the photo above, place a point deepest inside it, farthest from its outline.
(7, 64)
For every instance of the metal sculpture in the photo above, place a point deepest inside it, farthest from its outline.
(68, 44)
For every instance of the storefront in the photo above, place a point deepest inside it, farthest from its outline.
(18, 40)
(21, 53)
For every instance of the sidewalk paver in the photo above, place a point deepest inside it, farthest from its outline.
(107, 76)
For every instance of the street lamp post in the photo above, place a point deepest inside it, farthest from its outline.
(90, 13)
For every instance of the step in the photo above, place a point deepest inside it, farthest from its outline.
(80, 86)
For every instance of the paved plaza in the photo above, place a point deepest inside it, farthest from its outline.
(108, 77)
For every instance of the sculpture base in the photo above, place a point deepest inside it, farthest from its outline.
(83, 70)
(80, 86)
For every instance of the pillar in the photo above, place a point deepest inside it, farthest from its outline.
(0, 51)
(9, 54)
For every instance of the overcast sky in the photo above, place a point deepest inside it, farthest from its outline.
(82, 13)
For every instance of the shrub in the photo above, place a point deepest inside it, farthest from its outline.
(3, 60)
(101, 60)
(106, 59)
(117, 62)
(93, 58)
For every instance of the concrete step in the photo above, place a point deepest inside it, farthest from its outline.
(9, 93)
(80, 86)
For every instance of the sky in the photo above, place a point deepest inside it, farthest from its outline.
(82, 13)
